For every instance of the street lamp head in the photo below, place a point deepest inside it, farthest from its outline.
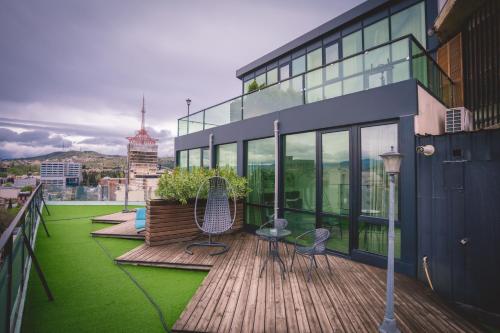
(392, 161)
(188, 101)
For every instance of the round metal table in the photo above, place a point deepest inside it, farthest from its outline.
(273, 252)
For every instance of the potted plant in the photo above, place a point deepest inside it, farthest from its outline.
(171, 218)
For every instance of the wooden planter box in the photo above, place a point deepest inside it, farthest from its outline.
(172, 222)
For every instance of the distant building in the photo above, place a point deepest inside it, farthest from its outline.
(142, 151)
(60, 173)
(25, 181)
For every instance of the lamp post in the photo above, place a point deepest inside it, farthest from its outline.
(127, 171)
(188, 102)
(392, 163)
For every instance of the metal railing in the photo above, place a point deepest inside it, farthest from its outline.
(398, 60)
(16, 257)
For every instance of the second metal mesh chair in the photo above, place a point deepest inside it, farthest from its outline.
(320, 237)
(217, 218)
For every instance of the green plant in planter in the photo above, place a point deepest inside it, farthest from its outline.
(182, 185)
(253, 86)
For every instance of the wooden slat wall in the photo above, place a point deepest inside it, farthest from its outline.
(449, 58)
(167, 223)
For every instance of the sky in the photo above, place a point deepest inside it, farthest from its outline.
(73, 73)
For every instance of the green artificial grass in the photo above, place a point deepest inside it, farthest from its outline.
(91, 293)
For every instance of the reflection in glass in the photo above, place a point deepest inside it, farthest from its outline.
(284, 72)
(205, 157)
(300, 171)
(272, 76)
(332, 71)
(246, 84)
(314, 59)
(260, 171)
(194, 158)
(376, 34)
(331, 53)
(353, 65)
(410, 21)
(353, 84)
(333, 90)
(261, 80)
(335, 166)
(227, 155)
(373, 238)
(183, 159)
(298, 65)
(352, 44)
(256, 215)
(299, 223)
(376, 140)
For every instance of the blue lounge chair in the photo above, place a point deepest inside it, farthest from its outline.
(140, 219)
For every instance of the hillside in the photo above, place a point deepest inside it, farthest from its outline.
(71, 154)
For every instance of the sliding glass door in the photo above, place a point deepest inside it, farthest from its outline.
(335, 188)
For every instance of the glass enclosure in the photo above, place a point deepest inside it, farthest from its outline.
(383, 64)
(194, 158)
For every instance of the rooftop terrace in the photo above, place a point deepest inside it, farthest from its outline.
(102, 284)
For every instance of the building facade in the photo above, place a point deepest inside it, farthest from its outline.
(60, 173)
(343, 94)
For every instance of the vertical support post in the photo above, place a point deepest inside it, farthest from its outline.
(37, 267)
(389, 323)
(211, 150)
(125, 209)
(276, 166)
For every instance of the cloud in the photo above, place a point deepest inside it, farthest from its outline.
(79, 68)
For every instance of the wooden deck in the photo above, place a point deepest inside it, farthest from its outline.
(123, 230)
(114, 218)
(233, 298)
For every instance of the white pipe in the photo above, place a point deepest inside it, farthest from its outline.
(210, 149)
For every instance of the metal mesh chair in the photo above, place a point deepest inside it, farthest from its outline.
(320, 237)
(279, 224)
(217, 218)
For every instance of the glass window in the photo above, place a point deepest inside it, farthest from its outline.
(261, 80)
(376, 34)
(183, 159)
(300, 222)
(332, 72)
(352, 44)
(331, 53)
(353, 65)
(298, 65)
(194, 158)
(410, 21)
(272, 76)
(227, 155)
(246, 84)
(258, 215)
(373, 238)
(335, 162)
(260, 171)
(300, 171)
(314, 78)
(353, 84)
(284, 72)
(205, 152)
(376, 140)
(314, 59)
(333, 90)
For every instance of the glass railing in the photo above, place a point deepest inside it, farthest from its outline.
(382, 65)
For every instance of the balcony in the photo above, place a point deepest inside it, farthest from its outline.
(395, 61)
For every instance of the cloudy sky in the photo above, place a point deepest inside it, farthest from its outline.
(72, 73)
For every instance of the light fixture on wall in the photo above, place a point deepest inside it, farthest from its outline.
(427, 150)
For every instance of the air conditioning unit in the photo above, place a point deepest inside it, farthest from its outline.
(458, 120)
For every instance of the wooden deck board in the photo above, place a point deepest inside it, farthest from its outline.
(114, 218)
(232, 297)
(122, 230)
